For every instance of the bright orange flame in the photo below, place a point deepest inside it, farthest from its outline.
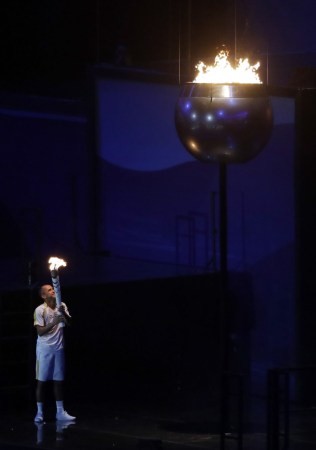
(223, 73)
(55, 263)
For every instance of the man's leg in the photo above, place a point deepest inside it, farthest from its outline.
(43, 368)
(59, 371)
(40, 387)
(58, 391)
(61, 414)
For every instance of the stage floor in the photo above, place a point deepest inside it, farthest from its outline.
(131, 427)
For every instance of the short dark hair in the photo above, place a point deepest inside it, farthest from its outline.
(40, 290)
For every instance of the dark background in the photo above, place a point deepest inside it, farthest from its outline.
(152, 333)
(56, 40)
(60, 39)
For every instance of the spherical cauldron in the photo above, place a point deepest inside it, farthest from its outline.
(223, 122)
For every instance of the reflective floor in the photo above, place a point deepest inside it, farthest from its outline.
(132, 427)
(96, 428)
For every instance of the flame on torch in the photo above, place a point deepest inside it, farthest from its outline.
(223, 73)
(54, 264)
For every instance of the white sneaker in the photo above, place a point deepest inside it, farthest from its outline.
(39, 418)
(63, 415)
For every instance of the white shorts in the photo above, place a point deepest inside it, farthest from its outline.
(50, 365)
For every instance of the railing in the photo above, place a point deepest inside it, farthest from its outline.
(192, 239)
(278, 402)
(232, 390)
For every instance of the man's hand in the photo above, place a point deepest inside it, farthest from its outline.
(58, 319)
(62, 310)
(66, 317)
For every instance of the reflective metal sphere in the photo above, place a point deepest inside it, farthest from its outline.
(224, 122)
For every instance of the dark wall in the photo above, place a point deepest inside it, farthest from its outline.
(47, 192)
(139, 188)
(306, 241)
(154, 342)
(154, 339)
(45, 187)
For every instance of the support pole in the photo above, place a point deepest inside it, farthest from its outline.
(223, 304)
(223, 220)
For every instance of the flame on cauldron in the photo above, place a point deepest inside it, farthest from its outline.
(222, 71)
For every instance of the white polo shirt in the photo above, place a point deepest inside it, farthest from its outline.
(54, 338)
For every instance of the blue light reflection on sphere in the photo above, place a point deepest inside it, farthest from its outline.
(223, 123)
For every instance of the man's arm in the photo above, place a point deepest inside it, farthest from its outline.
(67, 317)
(46, 328)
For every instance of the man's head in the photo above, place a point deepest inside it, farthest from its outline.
(47, 293)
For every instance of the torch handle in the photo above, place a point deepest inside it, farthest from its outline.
(56, 286)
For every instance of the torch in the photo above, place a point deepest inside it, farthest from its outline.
(54, 264)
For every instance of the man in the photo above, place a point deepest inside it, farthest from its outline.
(50, 360)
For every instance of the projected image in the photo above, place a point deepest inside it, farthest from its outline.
(136, 125)
(148, 179)
(156, 200)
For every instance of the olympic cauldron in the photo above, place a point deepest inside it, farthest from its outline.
(224, 123)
